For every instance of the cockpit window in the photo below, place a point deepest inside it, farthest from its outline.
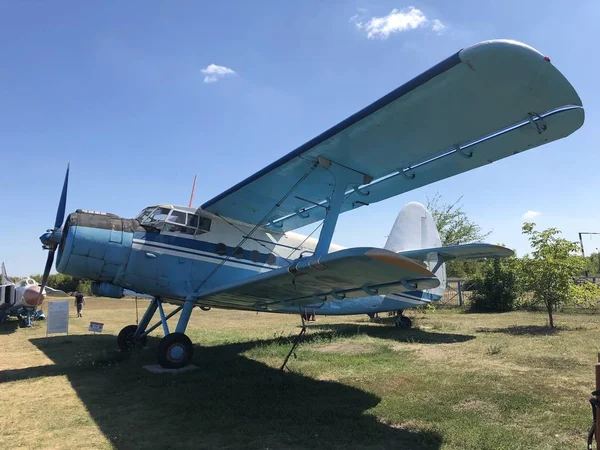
(143, 216)
(174, 220)
(177, 217)
(159, 215)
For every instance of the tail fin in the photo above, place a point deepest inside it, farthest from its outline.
(415, 229)
(3, 275)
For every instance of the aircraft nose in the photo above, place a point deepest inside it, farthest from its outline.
(31, 296)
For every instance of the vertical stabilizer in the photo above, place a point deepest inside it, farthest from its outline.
(4, 276)
(415, 229)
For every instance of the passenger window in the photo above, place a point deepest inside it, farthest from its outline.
(255, 256)
(192, 221)
(204, 224)
(271, 259)
(238, 253)
(221, 249)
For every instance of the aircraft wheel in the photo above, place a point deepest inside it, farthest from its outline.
(403, 322)
(175, 351)
(125, 339)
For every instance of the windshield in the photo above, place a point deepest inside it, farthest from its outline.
(141, 217)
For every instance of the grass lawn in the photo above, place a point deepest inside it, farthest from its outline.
(455, 381)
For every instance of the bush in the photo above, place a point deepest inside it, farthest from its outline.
(498, 287)
(65, 283)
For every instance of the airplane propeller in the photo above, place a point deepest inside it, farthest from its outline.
(51, 239)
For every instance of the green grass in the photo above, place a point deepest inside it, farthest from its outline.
(455, 381)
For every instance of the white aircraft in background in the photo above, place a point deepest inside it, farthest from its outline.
(23, 298)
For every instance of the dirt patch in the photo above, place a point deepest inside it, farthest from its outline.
(471, 405)
(347, 348)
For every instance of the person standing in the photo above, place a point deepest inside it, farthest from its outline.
(79, 302)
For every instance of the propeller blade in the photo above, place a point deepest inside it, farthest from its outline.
(47, 269)
(62, 205)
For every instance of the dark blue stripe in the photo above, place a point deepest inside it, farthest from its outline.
(429, 74)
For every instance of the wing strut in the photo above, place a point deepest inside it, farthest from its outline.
(344, 177)
(256, 227)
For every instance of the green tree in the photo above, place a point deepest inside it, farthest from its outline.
(455, 228)
(551, 271)
(498, 285)
(66, 283)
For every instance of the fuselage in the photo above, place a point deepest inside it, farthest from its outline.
(172, 252)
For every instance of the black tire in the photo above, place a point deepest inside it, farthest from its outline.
(175, 351)
(403, 322)
(125, 339)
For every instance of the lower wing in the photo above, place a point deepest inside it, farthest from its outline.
(349, 273)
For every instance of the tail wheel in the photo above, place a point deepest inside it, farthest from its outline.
(403, 322)
(125, 339)
(175, 351)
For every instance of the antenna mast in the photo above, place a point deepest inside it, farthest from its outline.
(193, 189)
(582, 251)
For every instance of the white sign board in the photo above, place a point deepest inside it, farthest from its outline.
(58, 317)
(96, 327)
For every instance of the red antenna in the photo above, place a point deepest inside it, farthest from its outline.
(193, 189)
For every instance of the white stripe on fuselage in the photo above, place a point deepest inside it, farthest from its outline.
(198, 255)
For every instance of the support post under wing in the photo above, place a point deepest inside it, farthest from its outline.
(349, 273)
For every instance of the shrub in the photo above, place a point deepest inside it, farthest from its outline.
(498, 286)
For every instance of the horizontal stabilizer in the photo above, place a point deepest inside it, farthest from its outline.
(349, 273)
(465, 251)
(51, 292)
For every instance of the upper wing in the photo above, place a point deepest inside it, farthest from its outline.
(484, 103)
(348, 273)
(465, 251)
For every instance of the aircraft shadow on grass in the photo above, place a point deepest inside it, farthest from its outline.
(413, 335)
(8, 327)
(230, 401)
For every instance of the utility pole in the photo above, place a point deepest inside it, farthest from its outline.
(581, 233)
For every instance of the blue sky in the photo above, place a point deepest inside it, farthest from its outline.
(125, 91)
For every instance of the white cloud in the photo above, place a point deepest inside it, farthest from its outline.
(531, 215)
(437, 25)
(214, 73)
(395, 22)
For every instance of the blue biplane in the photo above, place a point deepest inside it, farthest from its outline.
(238, 251)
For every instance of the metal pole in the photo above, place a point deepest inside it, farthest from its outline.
(193, 189)
(460, 299)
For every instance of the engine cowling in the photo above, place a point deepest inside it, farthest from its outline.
(96, 246)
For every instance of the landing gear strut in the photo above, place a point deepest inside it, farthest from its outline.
(403, 321)
(175, 350)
